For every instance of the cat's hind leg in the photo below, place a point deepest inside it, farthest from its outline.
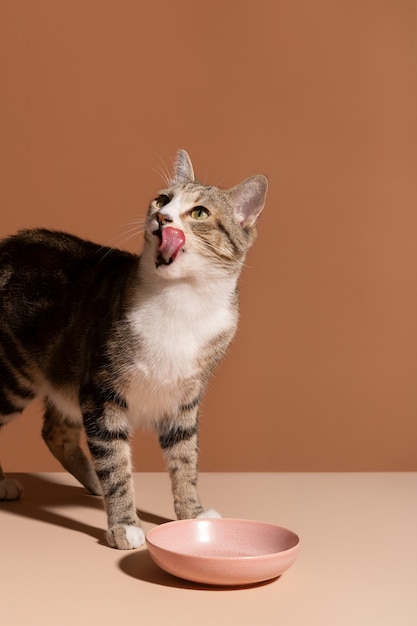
(62, 437)
(10, 488)
(16, 392)
(15, 395)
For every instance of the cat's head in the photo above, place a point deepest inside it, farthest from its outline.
(194, 229)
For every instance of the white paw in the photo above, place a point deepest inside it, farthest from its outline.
(209, 513)
(10, 489)
(125, 537)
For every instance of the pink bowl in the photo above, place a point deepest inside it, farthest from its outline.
(223, 551)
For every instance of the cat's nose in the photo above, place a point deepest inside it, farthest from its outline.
(163, 219)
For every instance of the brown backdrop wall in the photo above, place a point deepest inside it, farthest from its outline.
(320, 96)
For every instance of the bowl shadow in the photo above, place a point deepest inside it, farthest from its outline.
(139, 565)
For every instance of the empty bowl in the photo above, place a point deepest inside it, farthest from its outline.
(223, 551)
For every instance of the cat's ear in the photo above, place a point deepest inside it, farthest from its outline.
(184, 172)
(248, 199)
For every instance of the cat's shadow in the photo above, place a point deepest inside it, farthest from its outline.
(42, 494)
(46, 499)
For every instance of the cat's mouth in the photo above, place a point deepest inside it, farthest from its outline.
(171, 245)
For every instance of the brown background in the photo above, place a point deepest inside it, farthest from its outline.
(320, 95)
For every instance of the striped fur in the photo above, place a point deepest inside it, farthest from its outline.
(112, 340)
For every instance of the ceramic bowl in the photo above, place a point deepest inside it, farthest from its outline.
(223, 551)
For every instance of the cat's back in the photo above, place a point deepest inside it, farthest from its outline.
(40, 269)
(35, 248)
(39, 250)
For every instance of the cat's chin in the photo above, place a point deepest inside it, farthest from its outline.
(175, 268)
(168, 270)
(160, 260)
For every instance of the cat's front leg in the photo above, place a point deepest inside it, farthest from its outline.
(179, 443)
(108, 442)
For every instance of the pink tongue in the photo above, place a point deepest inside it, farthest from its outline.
(172, 242)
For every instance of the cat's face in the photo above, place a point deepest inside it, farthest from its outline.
(194, 230)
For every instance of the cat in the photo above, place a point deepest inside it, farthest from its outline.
(111, 340)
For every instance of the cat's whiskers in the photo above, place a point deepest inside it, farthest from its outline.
(161, 175)
(201, 245)
(118, 231)
(163, 172)
(131, 229)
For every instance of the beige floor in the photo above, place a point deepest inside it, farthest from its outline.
(357, 564)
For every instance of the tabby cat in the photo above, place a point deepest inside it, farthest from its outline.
(111, 340)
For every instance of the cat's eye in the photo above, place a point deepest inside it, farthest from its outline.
(200, 213)
(162, 200)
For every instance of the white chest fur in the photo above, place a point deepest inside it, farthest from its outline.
(173, 326)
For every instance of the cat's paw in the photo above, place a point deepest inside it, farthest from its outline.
(125, 537)
(10, 489)
(209, 514)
